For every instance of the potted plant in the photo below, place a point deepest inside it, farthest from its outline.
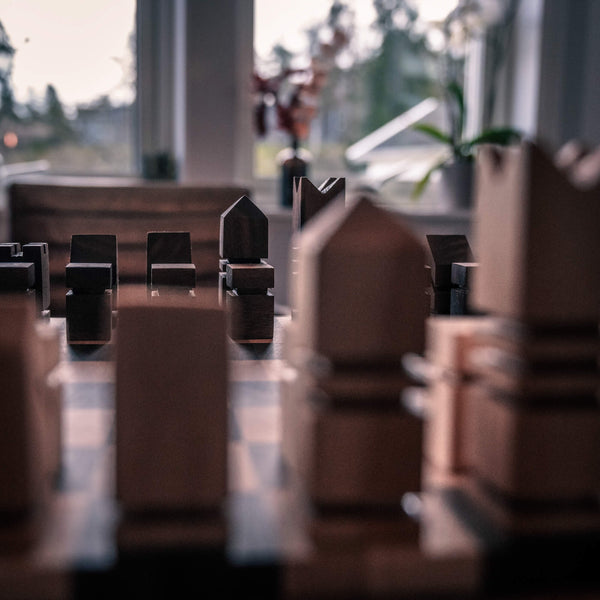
(457, 167)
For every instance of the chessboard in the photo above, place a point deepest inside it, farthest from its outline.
(380, 441)
(267, 550)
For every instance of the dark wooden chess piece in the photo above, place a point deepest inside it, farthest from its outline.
(442, 251)
(15, 267)
(246, 277)
(169, 267)
(92, 281)
(308, 201)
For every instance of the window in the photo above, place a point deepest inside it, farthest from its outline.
(380, 69)
(69, 85)
(396, 58)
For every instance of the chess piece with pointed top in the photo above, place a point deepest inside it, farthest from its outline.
(245, 276)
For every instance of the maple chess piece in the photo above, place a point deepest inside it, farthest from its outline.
(171, 418)
(30, 411)
(246, 278)
(535, 460)
(352, 445)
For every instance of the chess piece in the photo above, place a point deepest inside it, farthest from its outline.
(169, 263)
(92, 281)
(246, 278)
(17, 278)
(31, 419)
(450, 424)
(442, 252)
(307, 202)
(351, 443)
(461, 278)
(536, 378)
(171, 417)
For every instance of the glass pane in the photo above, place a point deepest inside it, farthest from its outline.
(372, 72)
(68, 84)
(361, 73)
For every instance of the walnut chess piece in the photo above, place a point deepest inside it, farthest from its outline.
(246, 278)
(91, 277)
(442, 252)
(25, 269)
(308, 201)
(169, 267)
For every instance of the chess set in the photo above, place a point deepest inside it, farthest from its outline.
(423, 422)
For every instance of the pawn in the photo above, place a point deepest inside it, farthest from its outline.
(25, 269)
(170, 269)
(246, 277)
(91, 277)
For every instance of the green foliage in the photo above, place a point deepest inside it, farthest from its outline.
(460, 149)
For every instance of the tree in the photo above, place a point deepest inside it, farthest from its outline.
(7, 108)
(55, 116)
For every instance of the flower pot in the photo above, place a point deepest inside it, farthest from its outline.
(293, 162)
(456, 184)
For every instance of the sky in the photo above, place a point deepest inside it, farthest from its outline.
(80, 45)
(272, 19)
(74, 44)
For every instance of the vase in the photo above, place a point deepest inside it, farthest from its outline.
(456, 185)
(293, 162)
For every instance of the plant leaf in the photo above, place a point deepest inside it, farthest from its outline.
(422, 183)
(499, 135)
(434, 132)
(456, 91)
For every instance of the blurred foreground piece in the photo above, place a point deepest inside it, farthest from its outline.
(30, 417)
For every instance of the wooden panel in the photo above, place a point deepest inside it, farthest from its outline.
(54, 212)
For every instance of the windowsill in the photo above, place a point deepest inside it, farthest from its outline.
(265, 193)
